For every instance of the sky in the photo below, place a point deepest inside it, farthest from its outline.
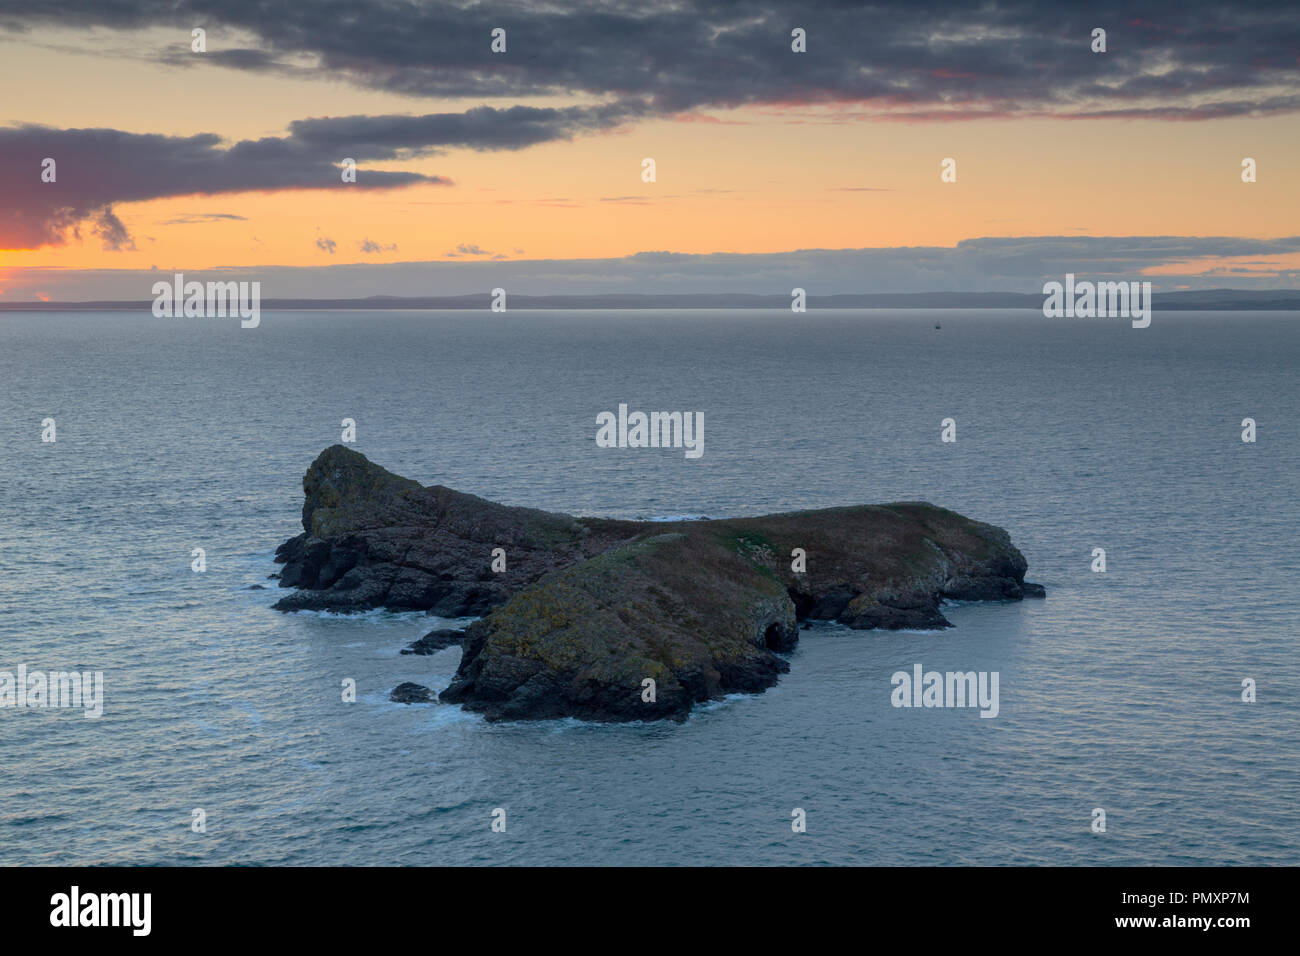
(524, 168)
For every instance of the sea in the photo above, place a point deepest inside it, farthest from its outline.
(1163, 691)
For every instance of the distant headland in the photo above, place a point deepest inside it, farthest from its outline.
(1222, 300)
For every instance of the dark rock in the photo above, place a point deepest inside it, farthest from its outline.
(696, 619)
(372, 539)
(409, 693)
(829, 604)
(591, 609)
(434, 641)
(916, 610)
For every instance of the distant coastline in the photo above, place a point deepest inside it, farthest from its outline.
(1208, 300)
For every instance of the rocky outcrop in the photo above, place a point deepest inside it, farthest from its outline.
(623, 620)
(435, 641)
(675, 609)
(372, 539)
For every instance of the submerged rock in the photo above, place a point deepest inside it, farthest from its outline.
(625, 620)
(409, 693)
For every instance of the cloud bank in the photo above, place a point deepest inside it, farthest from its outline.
(1018, 264)
(922, 61)
(96, 168)
(1170, 59)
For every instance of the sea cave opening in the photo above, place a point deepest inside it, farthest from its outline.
(772, 637)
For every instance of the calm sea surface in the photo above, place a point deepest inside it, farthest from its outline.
(1121, 691)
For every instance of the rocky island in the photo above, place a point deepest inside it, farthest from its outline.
(590, 609)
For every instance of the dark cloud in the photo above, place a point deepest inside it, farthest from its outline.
(97, 168)
(101, 166)
(326, 245)
(109, 228)
(471, 249)
(195, 218)
(481, 128)
(370, 246)
(1178, 59)
(922, 60)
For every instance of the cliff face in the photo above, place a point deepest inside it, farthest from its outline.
(589, 610)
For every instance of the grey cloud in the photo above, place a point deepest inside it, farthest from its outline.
(195, 218)
(919, 60)
(131, 166)
(481, 128)
(110, 229)
(97, 168)
(1171, 58)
